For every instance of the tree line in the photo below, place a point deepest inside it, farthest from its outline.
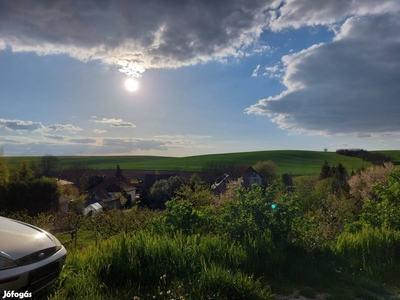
(374, 158)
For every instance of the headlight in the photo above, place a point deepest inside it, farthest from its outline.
(6, 263)
(58, 244)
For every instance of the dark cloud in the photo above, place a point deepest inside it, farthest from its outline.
(20, 125)
(133, 34)
(123, 124)
(363, 135)
(16, 125)
(347, 86)
(136, 34)
(83, 140)
(55, 137)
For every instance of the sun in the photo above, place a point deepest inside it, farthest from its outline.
(131, 84)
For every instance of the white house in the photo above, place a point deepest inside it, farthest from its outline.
(248, 175)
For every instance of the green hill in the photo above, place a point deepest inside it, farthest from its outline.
(288, 161)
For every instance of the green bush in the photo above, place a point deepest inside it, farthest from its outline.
(385, 210)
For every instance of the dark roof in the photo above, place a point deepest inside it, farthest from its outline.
(102, 195)
(114, 184)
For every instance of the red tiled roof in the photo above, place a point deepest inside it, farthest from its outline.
(239, 172)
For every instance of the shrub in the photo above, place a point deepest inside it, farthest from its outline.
(361, 184)
(268, 171)
(384, 211)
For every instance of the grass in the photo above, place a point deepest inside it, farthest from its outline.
(296, 162)
(371, 251)
(148, 266)
(151, 266)
(84, 239)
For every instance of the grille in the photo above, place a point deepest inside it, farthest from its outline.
(36, 256)
(41, 277)
(42, 273)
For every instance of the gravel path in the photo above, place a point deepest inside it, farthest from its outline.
(295, 296)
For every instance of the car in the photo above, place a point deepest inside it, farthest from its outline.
(30, 257)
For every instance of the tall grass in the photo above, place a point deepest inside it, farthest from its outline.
(373, 251)
(145, 265)
(153, 266)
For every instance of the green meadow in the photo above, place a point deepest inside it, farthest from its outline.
(296, 162)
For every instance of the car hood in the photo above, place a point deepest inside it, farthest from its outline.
(18, 239)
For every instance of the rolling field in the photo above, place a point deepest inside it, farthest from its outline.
(288, 161)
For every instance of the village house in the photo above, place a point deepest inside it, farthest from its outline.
(246, 174)
(110, 191)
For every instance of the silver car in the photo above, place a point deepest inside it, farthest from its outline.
(30, 258)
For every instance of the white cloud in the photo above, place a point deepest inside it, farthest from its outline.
(298, 13)
(255, 72)
(119, 123)
(347, 86)
(107, 121)
(98, 131)
(66, 127)
(180, 136)
(83, 140)
(274, 72)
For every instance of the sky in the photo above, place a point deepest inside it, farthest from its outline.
(208, 77)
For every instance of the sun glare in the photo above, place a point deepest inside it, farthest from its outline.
(131, 84)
